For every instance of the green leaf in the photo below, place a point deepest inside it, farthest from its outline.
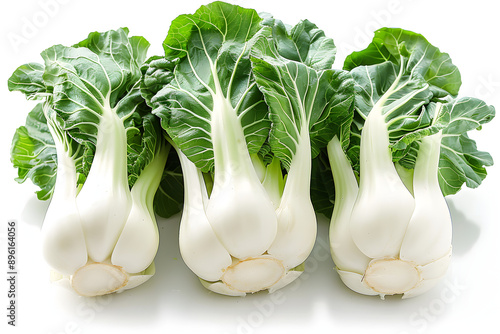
(265, 154)
(116, 42)
(304, 43)
(460, 161)
(156, 73)
(28, 80)
(322, 186)
(34, 154)
(211, 51)
(415, 54)
(143, 139)
(401, 73)
(302, 100)
(416, 85)
(432, 118)
(102, 72)
(169, 197)
(375, 85)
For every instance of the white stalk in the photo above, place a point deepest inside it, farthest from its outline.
(384, 205)
(200, 248)
(239, 210)
(296, 217)
(346, 255)
(425, 247)
(63, 241)
(138, 242)
(428, 237)
(105, 201)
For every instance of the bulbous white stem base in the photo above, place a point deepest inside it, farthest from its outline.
(253, 274)
(97, 279)
(391, 276)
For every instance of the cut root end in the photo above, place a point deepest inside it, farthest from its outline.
(254, 274)
(391, 276)
(97, 279)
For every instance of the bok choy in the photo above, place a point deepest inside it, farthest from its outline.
(95, 149)
(245, 125)
(247, 103)
(391, 228)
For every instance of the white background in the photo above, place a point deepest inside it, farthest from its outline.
(173, 301)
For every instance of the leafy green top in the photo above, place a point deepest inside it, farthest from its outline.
(422, 101)
(78, 85)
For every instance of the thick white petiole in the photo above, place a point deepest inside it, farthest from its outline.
(428, 237)
(239, 210)
(105, 201)
(63, 241)
(138, 242)
(296, 217)
(384, 205)
(200, 248)
(346, 255)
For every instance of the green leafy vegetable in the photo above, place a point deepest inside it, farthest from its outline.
(391, 231)
(95, 149)
(230, 95)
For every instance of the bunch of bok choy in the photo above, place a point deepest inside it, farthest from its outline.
(391, 229)
(95, 149)
(244, 124)
(247, 103)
